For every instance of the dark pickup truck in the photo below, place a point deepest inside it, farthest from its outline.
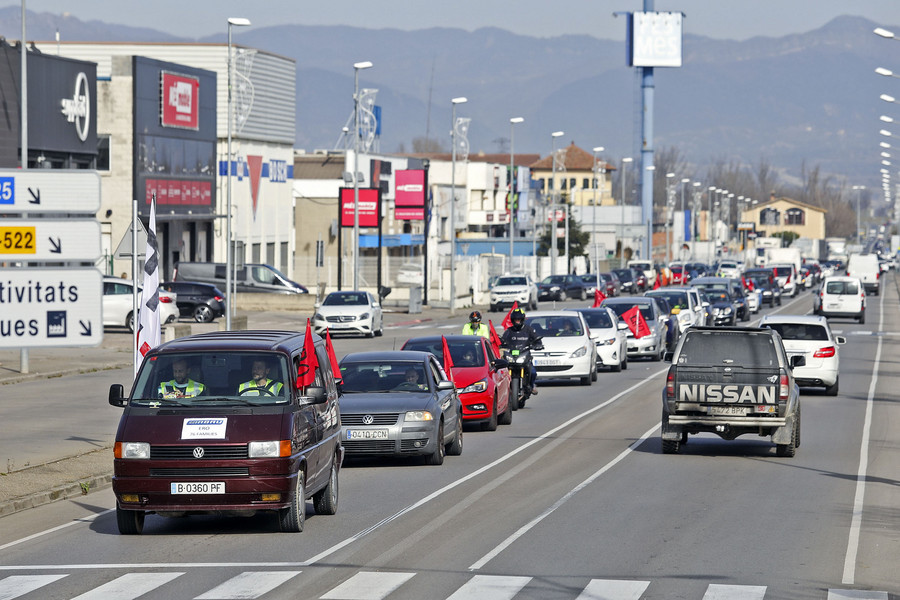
(731, 381)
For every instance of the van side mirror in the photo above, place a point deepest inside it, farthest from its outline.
(315, 394)
(117, 395)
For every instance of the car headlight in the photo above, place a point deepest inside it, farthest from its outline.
(363, 317)
(608, 342)
(554, 288)
(271, 449)
(318, 317)
(580, 352)
(418, 415)
(132, 450)
(727, 311)
(478, 386)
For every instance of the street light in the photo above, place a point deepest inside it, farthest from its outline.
(668, 209)
(859, 189)
(453, 102)
(683, 181)
(625, 161)
(886, 72)
(554, 251)
(229, 257)
(598, 170)
(512, 186)
(357, 67)
(885, 33)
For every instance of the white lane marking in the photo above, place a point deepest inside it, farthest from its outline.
(490, 587)
(859, 499)
(128, 586)
(57, 528)
(19, 585)
(248, 585)
(613, 589)
(437, 493)
(530, 525)
(419, 327)
(148, 566)
(368, 585)
(856, 595)
(734, 592)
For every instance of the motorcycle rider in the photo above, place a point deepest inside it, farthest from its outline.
(522, 337)
(475, 326)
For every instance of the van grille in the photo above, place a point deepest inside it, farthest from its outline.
(209, 452)
(202, 472)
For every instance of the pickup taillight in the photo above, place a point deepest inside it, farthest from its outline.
(783, 388)
(670, 385)
(826, 352)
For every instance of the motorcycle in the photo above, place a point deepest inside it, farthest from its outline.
(518, 361)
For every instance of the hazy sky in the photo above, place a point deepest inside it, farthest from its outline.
(724, 19)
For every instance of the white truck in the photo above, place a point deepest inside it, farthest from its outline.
(783, 256)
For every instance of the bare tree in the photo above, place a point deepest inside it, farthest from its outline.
(423, 145)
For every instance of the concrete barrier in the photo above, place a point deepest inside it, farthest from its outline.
(238, 323)
(177, 330)
(276, 302)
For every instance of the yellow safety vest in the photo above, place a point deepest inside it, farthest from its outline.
(482, 330)
(170, 389)
(271, 385)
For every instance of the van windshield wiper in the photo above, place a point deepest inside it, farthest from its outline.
(198, 399)
(152, 401)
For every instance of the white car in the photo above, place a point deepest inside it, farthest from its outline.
(841, 296)
(811, 337)
(349, 312)
(118, 304)
(685, 303)
(569, 352)
(731, 269)
(609, 336)
(787, 277)
(511, 289)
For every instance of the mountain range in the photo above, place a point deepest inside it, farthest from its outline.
(809, 99)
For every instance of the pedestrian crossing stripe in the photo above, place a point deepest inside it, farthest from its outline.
(377, 585)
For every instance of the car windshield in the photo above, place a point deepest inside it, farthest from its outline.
(800, 331)
(195, 379)
(597, 319)
(728, 265)
(718, 295)
(384, 376)
(465, 353)
(675, 299)
(739, 349)
(556, 325)
(555, 279)
(345, 299)
(511, 281)
(622, 308)
(842, 288)
(782, 271)
(623, 274)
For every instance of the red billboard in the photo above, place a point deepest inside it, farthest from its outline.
(180, 101)
(369, 200)
(409, 195)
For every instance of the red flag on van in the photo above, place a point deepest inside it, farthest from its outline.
(329, 349)
(309, 362)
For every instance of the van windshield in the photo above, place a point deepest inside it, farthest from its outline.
(267, 275)
(204, 378)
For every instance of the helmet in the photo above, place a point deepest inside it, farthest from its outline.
(517, 317)
(475, 316)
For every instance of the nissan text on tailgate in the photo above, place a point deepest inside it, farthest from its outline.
(731, 381)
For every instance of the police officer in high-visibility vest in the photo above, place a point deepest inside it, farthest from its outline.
(181, 385)
(260, 385)
(475, 326)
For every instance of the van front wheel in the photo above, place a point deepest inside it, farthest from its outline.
(293, 517)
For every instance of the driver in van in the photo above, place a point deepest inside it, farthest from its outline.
(260, 384)
(181, 385)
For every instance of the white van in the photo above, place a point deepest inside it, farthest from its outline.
(841, 296)
(646, 267)
(865, 267)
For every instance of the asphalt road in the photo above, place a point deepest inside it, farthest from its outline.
(573, 500)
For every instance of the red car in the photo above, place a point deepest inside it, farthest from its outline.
(680, 275)
(483, 390)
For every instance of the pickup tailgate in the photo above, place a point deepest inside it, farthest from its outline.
(726, 391)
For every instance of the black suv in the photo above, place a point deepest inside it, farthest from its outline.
(203, 302)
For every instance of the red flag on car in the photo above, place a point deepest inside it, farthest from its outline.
(636, 322)
(309, 362)
(507, 321)
(599, 297)
(495, 339)
(448, 360)
(335, 369)
(656, 282)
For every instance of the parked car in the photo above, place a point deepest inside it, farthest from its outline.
(349, 312)
(629, 280)
(613, 285)
(569, 351)
(561, 287)
(483, 388)
(118, 304)
(194, 438)
(251, 278)
(811, 337)
(399, 403)
(652, 345)
(202, 302)
(512, 289)
(840, 296)
(609, 336)
(590, 283)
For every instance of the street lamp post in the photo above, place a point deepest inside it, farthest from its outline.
(357, 67)
(453, 102)
(859, 189)
(229, 251)
(625, 161)
(598, 171)
(684, 225)
(512, 187)
(668, 214)
(554, 251)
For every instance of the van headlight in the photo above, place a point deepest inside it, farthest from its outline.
(272, 449)
(132, 450)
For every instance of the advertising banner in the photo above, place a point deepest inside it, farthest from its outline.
(179, 101)
(369, 207)
(409, 195)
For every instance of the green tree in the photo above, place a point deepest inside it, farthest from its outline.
(578, 240)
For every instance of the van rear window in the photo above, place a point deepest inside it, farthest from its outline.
(740, 349)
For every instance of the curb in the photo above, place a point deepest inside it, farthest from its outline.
(65, 491)
(53, 374)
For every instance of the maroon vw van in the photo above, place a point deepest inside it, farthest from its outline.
(215, 423)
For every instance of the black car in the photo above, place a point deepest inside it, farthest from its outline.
(203, 302)
(735, 290)
(629, 280)
(560, 287)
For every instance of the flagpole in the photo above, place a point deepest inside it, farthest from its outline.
(134, 283)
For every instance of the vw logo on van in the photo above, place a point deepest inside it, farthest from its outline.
(198, 452)
(368, 420)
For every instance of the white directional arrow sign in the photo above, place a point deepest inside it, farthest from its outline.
(50, 190)
(50, 307)
(49, 240)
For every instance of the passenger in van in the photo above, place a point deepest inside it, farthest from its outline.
(260, 384)
(181, 385)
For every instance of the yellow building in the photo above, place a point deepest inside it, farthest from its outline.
(577, 175)
(784, 214)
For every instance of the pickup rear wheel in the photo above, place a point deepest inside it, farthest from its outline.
(789, 450)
